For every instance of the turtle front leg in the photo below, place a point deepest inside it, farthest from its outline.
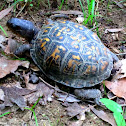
(89, 94)
(22, 49)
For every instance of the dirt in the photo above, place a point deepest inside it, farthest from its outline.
(54, 114)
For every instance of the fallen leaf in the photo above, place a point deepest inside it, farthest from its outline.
(41, 90)
(117, 87)
(121, 67)
(102, 115)
(12, 46)
(6, 11)
(10, 66)
(113, 30)
(14, 95)
(76, 110)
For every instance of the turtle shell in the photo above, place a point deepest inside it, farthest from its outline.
(71, 54)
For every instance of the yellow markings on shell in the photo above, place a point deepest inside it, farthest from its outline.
(76, 57)
(88, 53)
(55, 55)
(76, 46)
(88, 69)
(58, 34)
(63, 21)
(80, 28)
(46, 39)
(89, 57)
(56, 28)
(74, 38)
(105, 63)
(93, 58)
(76, 26)
(43, 44)
(45, 30)
(73, 64)
(61, 37)
(48, 27)
(68, 29)
(62, 29)
(93, 47)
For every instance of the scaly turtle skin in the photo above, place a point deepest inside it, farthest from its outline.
(67, 52)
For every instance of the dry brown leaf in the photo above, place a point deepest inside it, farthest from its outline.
(121, 67)
(12, 46)
(14, 95)
(102, 115)
(117, 87)
(76, 110)
(6, 11)
(10, 66)
(41, 90)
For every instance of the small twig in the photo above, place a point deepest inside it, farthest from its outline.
(123, 105)
(56, 88)
(113, 97)
(95, 27)
(21, 9)
(121, 54)
(118, 4)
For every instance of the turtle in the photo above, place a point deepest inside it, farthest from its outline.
(68, 53)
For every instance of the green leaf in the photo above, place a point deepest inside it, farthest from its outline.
(119, 119)
(111, 105)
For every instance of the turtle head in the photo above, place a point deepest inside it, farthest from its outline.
(23, 27)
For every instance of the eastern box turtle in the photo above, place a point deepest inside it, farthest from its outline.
(68, 53)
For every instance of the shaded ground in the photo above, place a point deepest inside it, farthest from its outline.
(54, 114)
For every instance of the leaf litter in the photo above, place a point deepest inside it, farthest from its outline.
(32, 92)
(118, 83)
(10, 66)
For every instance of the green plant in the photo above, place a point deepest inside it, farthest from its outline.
(62, 2)
(3, 30)
(91, 11)
(32, 109)
(5, 114)
(116, 109)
